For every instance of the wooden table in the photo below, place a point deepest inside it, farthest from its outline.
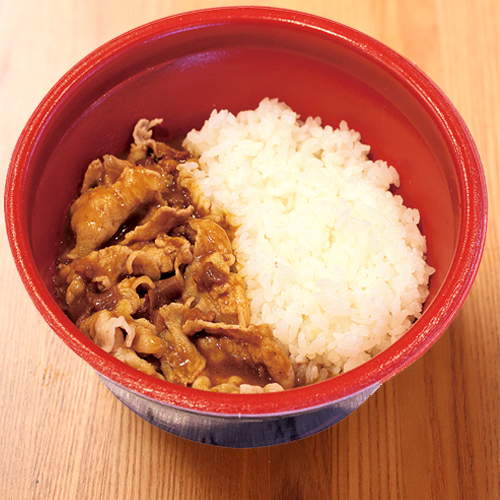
(432, 432)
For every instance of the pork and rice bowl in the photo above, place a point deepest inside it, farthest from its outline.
(327, 266)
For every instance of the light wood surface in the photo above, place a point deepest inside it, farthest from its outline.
(432, 432)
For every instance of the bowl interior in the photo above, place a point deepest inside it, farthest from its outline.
(179, 69)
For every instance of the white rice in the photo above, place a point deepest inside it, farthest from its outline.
(333, 261)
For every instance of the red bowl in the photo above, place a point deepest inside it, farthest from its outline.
(180, 68)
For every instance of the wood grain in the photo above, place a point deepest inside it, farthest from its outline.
(432, 432)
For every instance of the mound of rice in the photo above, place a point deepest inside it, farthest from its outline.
(332, 259)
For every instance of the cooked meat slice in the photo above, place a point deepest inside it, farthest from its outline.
(164, 292)
(255, 342)
(128, 300)
(130, 358)
(227, 302)
(196, 314)
(93, 176)
(161, 220)
(108, 265)
(164, 255)
(108, 330)
(103, 173)
(211, 238)
(209, 279)
(143, 139)
(272, 355)
(122, 298)
(123, 337)
(113, 167)
(228, 357)
(181, 362)
(107, 300)
(99, 212)
(211, 276)
(104, 267)
(146, 341)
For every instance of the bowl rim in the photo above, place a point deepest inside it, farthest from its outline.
(375, 371)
